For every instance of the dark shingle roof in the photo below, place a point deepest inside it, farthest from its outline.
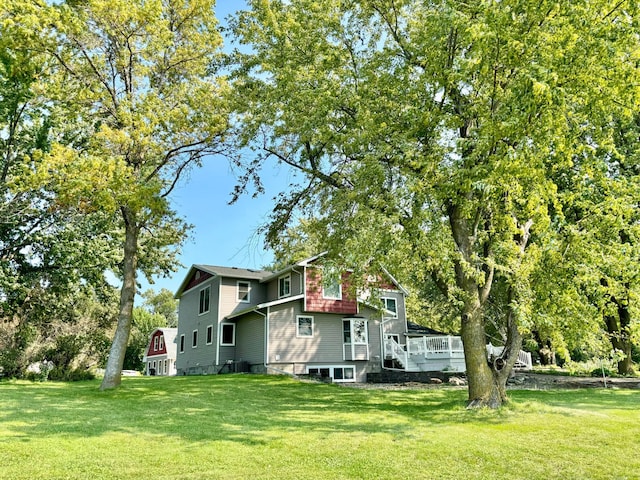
(415, 329)
(233, 272)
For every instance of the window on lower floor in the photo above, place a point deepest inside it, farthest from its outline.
(205, 294)
(209, 334)
(354, 330)
(336, 373)
(181, 343)
(194, 339)
(305, 326)
(228, 334)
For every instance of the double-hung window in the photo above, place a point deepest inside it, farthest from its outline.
(304, 326)
(244, 291)
(390, 305)
(284, 286)
(209, 334)
(205, 295)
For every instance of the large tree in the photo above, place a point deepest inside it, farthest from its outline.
(143, 75)
(434, 129)
(50, 258)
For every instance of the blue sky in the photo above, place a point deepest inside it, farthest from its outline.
(223, 234)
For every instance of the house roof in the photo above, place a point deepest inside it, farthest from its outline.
(217, 271)
(415, 329)
(234, 272)
(265, 305)
(302, 263)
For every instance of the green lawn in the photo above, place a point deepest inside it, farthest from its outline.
(269, 427)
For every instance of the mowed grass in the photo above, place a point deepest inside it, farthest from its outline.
(269, 427)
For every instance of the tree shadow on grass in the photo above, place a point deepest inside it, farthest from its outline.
(250, 409)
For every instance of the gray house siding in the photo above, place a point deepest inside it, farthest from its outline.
(293, 354)
(202, 358)
(250, 339)
(297, 285)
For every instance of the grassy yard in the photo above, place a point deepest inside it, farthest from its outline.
(269, 427)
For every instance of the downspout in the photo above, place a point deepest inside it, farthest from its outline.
(218, 321)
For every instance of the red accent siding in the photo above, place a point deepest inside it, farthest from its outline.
(314, 302)
(193, 281)
(151, 350)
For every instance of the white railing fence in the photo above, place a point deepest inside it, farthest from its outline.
(524, 358)
(394, 350)
(434, 345)
(439, 347)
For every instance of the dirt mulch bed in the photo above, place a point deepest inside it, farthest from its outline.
(519, 381)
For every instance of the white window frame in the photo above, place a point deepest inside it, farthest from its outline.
(194, 339)
(332, 369)
(209, 336)
(313, 327)
(233, 343)
(155, 344)
(352, 331)
(182, 343)
(161, 342)
(248, 284)
(333, 284)
(286, 278)
(201, 297)
(386, 306)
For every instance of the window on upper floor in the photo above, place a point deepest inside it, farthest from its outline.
(205, 294)
(284, 286)
(305, 326)
(390, 305)
(244, 291)
(155, 344)
(228, 335)
(331, 284)
(161, 342)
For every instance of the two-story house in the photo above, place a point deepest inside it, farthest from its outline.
(305, 319)
(300, 320)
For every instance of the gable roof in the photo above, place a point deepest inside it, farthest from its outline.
(234, 272)
(217, 271)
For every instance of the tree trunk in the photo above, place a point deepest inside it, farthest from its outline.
(618, 324)
(618, 330)
(113, 370)
(484, 391)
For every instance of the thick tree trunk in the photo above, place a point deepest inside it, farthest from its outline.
(618, 329)
(113, 370)
(618, 324)
(484, 391)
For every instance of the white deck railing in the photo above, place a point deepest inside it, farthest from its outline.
(440, 347)
(394, 350)
(523, 361)
(434, 345)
